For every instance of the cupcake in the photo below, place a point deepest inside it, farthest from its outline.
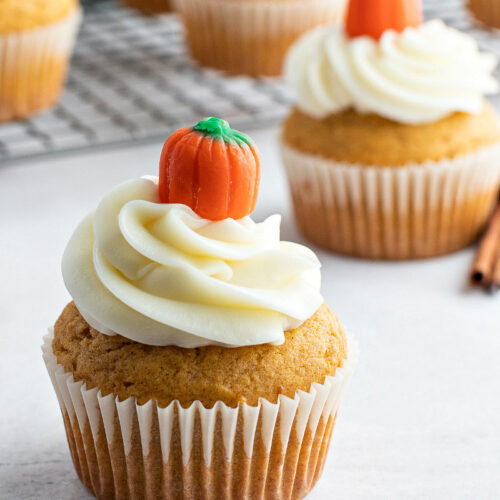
(37, 39)
(197, 358)
(250, 36)
(149, 6)
(486, 11)
(391, 151)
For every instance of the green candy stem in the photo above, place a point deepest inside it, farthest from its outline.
(220, 130)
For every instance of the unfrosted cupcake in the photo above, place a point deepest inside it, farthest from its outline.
(486, 11)
(149, 6)
(197, 359)
(251, 36)
(37, 38)
(391, 151)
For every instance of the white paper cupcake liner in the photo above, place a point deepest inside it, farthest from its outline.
(251, 37)
(413, 211)
(33, 66)
(125, 450)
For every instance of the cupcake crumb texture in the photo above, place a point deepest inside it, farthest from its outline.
(372, 140)
(115, 364)
(20, 15)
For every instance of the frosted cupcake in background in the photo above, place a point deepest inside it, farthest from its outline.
(36, 41)
(198, 359)
(251, 36)
(391, 150)
(150, 6)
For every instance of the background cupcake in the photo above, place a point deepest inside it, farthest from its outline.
(391, 151)
(251, 36)
(486, 11)
(150, 6)
(37, 38)
(198, 355)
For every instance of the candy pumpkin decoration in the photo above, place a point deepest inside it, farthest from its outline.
(211, 168)
(373, 17)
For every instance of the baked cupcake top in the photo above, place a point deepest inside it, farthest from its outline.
(359, 139)
(208, 374)
(20, 15)
(388, 63)
(176, 260)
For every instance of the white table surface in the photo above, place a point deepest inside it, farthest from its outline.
(421, 418)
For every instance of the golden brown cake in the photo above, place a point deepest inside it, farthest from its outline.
(208, 374)
(197, 359)
(391, 151)
(16, 16)
(150, 6)
(372, 140)
(486, 11)
(37, 36)
(250, 36)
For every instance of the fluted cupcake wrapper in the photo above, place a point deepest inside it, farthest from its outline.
(121, 449)
(249, 37)
(486, 11)
(412, 211)
(33, 66)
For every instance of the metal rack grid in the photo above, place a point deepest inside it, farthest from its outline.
(131, 80)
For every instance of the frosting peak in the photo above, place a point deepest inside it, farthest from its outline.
(161, 275)
(420, 75)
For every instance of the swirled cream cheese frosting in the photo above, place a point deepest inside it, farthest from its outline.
(417, 76)
(159, 274)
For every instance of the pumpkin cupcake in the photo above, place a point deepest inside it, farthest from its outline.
(486, 11)
(149, 6)
(392, 151)
(251, 36)
(197, 359)
(37, 38)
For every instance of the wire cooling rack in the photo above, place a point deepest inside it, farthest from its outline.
(131, 80)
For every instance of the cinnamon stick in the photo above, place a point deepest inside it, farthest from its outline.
(485, 263)
(495, 281)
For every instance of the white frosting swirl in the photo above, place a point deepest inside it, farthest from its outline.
(417, 76)
(161, 275)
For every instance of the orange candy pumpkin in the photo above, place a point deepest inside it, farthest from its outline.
(373, 17)
(211, 168)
